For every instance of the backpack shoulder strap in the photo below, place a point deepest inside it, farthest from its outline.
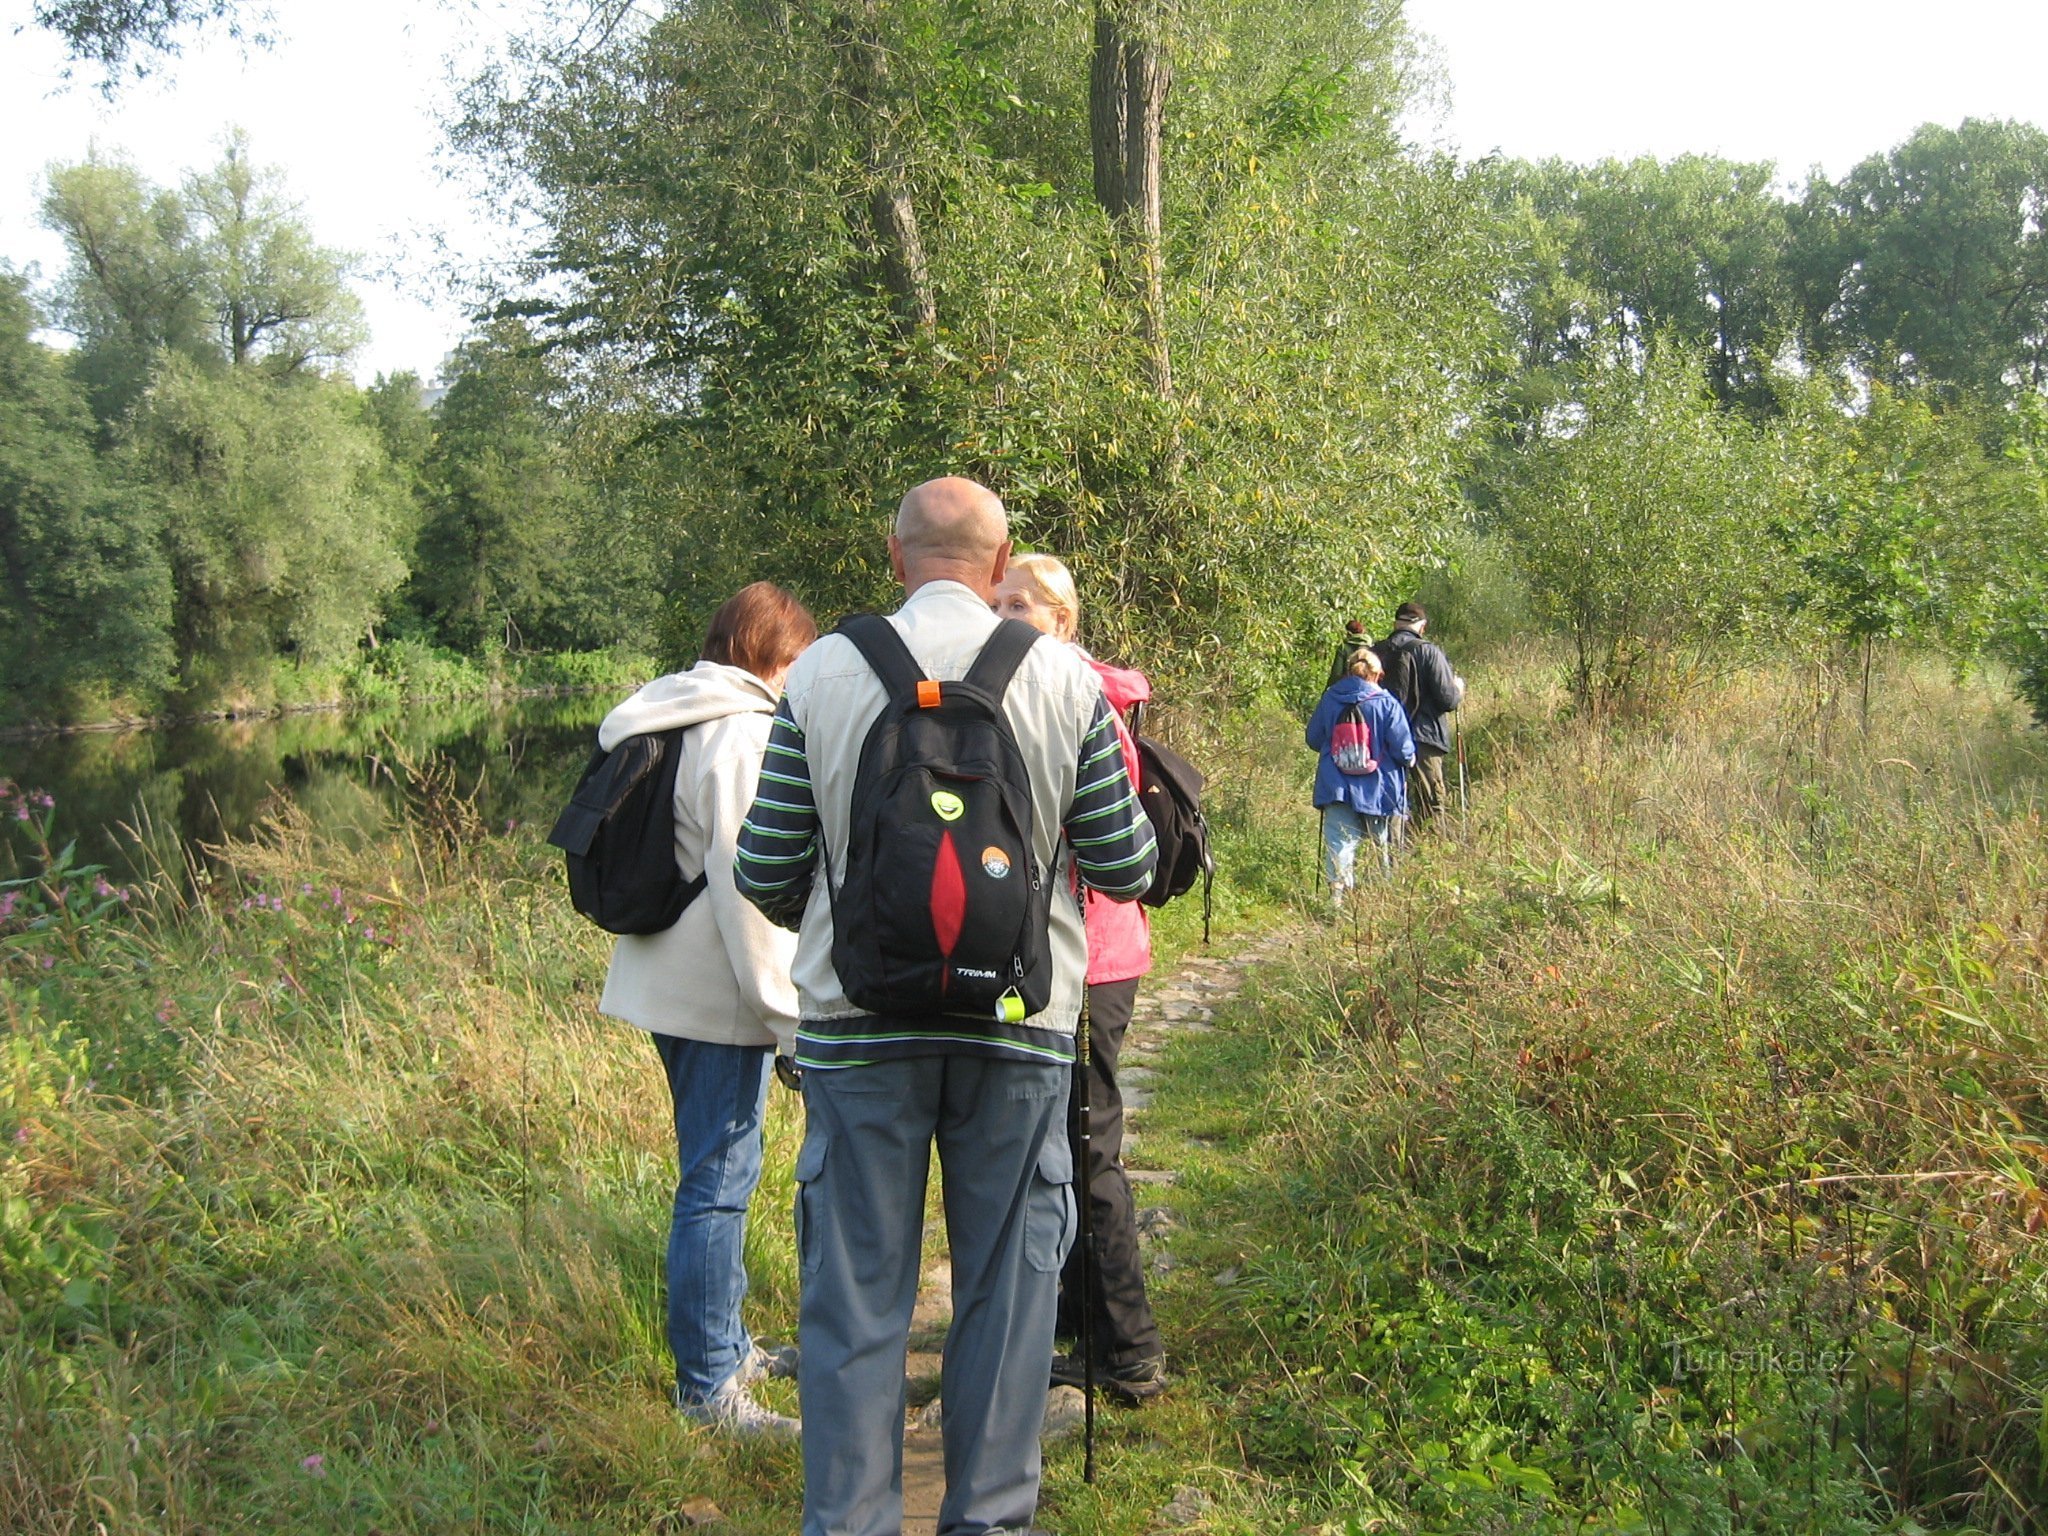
(883, 649)
(1001, 655)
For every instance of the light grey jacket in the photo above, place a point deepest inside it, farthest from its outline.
(721, 974)
(834, 696)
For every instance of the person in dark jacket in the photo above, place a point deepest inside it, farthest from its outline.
(1356, 805)
(1355, 640)
(1420, 676)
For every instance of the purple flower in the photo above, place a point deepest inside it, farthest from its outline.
(49, 962)
(21, 813)
(45, 802)
(100, 886)
(21, 1135)
(122, 893)
(305, 889)
(314, 1465)
(165, 1011)
(7, 900)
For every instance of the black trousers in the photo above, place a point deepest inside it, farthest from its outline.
(1125, 1332)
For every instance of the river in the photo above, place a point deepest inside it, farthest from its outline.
(142, 800)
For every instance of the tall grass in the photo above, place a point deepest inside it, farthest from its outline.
(1661, 1151)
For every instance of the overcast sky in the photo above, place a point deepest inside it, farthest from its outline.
(351, 99)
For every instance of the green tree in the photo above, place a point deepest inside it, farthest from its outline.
(137, 36)
(1893, 522)
(510, 553)
(133, 289)
(284, 519)
(1275, 429)
(221, 271)
(1640, 520)
(1692, 248)
(1928, 265)
(87, 595)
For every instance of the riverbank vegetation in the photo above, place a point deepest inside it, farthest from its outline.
(1661, 1152)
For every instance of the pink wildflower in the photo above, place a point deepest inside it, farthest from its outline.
(314, 1465)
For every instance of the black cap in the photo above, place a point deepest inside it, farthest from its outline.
(1410, 613)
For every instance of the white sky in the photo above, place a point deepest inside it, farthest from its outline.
(350, 103)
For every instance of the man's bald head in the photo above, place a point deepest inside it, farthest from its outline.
(951, 529)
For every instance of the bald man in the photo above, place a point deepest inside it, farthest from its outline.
(880, 1090)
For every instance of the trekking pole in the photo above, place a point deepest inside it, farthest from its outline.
(1464, 806)
(1086, 1184)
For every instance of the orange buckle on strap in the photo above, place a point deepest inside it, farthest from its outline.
(927, 694)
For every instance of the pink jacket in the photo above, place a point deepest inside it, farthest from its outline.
(1119, 932)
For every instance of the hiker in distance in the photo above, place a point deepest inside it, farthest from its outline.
(714, 992)
(1361, 733)
(1355, 640)
(1420, 676)
(937, 764)
(1129, 1357)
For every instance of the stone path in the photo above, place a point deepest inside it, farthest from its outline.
(1183, 1004)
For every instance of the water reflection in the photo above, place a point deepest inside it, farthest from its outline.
(190, 784)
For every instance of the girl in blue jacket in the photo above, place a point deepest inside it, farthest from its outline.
(1359, 792)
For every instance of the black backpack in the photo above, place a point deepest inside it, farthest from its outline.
(1397, 674)
(619, 835)
(944, 908)
(1170, 790)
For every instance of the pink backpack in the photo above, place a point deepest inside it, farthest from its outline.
(1351, 742)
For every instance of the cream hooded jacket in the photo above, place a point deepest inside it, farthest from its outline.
(721, 974)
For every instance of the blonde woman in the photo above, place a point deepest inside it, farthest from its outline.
(1130, 1360)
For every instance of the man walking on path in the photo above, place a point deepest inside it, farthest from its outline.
(880, 1089)
(1420, 676)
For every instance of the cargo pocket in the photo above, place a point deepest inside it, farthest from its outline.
(1049, 1207)
(810, 1163)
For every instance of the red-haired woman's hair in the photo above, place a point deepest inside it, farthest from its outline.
(761, 628)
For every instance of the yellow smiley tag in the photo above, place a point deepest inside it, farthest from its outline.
(949, 805)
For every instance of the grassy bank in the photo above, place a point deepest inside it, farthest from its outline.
(1662, 1154)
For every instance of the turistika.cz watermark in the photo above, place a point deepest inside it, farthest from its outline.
(1695, 1357)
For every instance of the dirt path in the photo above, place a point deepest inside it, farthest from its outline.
(1183, 1003)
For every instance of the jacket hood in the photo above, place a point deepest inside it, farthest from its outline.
(1349, 688)
(1121, 686)
(708, 691)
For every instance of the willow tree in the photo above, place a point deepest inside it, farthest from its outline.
(1159, 272)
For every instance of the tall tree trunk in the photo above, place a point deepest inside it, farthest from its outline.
(891, 214)
(1128, 82)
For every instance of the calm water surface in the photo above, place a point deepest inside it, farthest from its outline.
(134, 799)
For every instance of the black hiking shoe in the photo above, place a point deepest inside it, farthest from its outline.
(1134, 1383)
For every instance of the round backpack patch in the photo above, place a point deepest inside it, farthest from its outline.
(995, 863)
(949, 806)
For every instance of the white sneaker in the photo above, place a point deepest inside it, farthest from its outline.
(778, 1364)
(732, 1408)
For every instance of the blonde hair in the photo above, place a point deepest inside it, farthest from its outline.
(1053, 582)
(1365, 661)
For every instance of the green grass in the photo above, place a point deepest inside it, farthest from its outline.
(1661, 1152)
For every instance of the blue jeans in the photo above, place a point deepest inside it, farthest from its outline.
(1006, 1171)
(720, 1092)
(1343, 830)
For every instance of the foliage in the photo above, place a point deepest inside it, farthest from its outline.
(1661, 1154)
(87, 594)
(517, 549)
(1693, 248)
(703, 187)
(1638, 520)
(135, 37)
(2018, 605)
(1928, 265)
(283, 518)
